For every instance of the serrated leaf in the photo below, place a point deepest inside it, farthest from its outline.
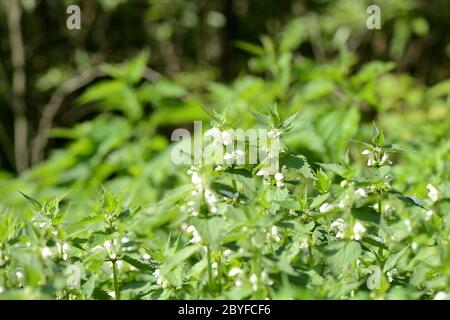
(392, 260)
(138, 264)
(37, 205)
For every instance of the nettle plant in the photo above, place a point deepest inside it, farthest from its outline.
(238, 229)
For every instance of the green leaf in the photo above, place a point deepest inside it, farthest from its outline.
(211, 230)
(340, 254)
(37, 205)
(392, 260)
(317, 201)
(141, 265)
(178, 258)
(262, 118)
(378, 137)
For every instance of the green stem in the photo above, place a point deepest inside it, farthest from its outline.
(380, 204)
(115, 281)
(210, 274)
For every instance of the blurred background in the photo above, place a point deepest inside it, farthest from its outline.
(79, 108)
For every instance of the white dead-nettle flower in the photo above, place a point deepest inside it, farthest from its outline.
(325, 207)
(360, 192)
(433, 193)
(265, 278)
(274, 133)
(219, 168)
(63, 249)
(160, 280)
(227, 137)
(428, 214)
(442, 295)
(391, 273)
(196, 180)
(274, 233)
(343, 183)
(228, 157)
(261, 172)
(408, 225)
(365, 152)
(111, 249)
(46, 252)
(370, 162)
(414, 246)
(211, 200)
(226, 252)
(234, 272)
(253, 279)
(214, 132)
(384, 159)
(279, 179)
(214, 266)
(344, 201)
(339, 226)
(196, 238)
(145, 256)
(125, 240)
(184, 227)
(19, 276)
(358, 230)
(238, 283)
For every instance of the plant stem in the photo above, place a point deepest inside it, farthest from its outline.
(380, 203)
(210, 275)
(115, 282)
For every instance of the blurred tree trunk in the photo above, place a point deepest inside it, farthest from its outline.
(14, 13)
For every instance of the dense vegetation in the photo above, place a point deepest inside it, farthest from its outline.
(93, 207)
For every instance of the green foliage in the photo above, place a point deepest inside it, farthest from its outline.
(359, 206)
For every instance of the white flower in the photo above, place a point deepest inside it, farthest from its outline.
(253, 279)
(160, 280)
(361, 192)
(433, 193)
(213, 132)
(228, 156)
(196, 180)
(145, 256)
(365, 152)
(344, 183)
(414, 246)
(274, 133)
(428, 214)
(441, 296)
(261, 172)
(227, 252)
(390, 274)
(384, 159)
(339, 225)
(46, 252)
(238, 283)
(325, 207)
(227, 137)
(196, 238)
(110, 249)
(278, 176)
(234, 272)
(408, 225)
(19, 276)
(343, 202)
(358, 230)
(274, 233)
